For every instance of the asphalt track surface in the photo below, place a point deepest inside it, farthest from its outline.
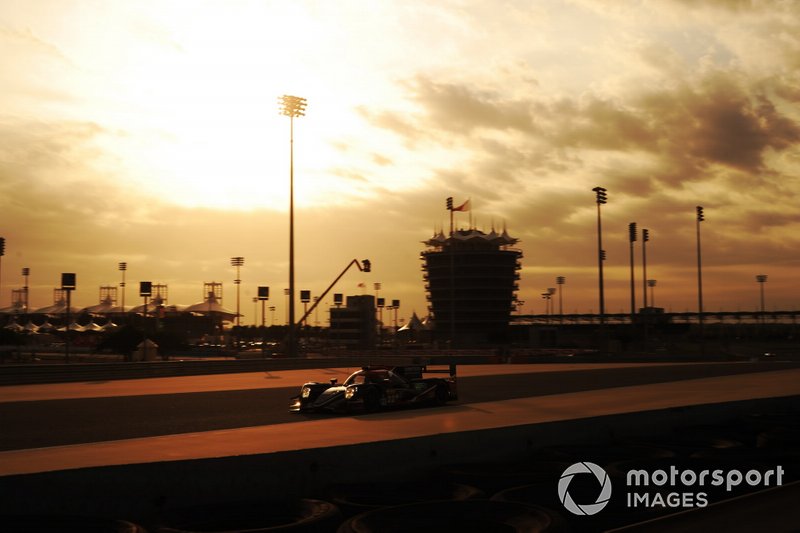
(55, 422)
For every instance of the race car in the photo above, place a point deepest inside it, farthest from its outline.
(378, 387)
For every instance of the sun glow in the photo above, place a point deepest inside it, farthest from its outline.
(184, 99)
(193, 113)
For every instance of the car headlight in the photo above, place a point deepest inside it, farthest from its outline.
(306, 392)
(350, 392)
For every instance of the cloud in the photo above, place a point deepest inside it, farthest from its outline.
(28, 39)
(392, 121)
(599, 125)
(736, 6)
(681, 131)
(718, 122)
(712, 137)
(50, 189)
(522, 109)
(457, 108)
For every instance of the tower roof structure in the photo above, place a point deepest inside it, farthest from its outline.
(471, 279)
(473, 235)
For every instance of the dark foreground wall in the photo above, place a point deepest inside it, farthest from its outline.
(140, 493)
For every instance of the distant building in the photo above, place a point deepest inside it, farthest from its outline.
(354, 326)
(471, 278)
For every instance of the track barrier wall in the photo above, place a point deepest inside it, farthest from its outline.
(142, 493)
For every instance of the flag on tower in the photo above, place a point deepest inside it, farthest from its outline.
(463, 207)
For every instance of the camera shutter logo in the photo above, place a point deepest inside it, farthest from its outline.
(589, 508)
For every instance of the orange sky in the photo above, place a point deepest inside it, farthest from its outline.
(148, 132)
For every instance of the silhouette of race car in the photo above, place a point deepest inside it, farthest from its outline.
(374, 388)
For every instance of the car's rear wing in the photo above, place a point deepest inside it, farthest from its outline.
(416, 371)
(450, 369)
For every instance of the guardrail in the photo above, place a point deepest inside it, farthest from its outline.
(22, 374)
(13, 374)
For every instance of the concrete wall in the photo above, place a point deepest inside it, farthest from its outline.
(141, 492)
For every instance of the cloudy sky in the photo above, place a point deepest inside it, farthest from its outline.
(148, 132)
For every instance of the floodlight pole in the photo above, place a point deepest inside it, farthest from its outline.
(632, 239)
(546, 297)
(762, 279)
(2, 253)
(645, 240)
(123, 267)
(560, 280)
(145, 291)
(291, 106)
(144, 343)
(67, 331)
(700, 218)
(68, 285)
(601, 199)
(652, 283)
(26, 272)
(237, 262)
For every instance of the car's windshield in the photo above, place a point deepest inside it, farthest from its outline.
(366, 376)
(397, 381)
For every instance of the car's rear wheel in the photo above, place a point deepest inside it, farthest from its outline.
(442, 395)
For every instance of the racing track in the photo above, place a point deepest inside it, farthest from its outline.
(504, 411)
(31, 422)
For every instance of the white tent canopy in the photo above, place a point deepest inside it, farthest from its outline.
(414, 324)
(211, 307)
